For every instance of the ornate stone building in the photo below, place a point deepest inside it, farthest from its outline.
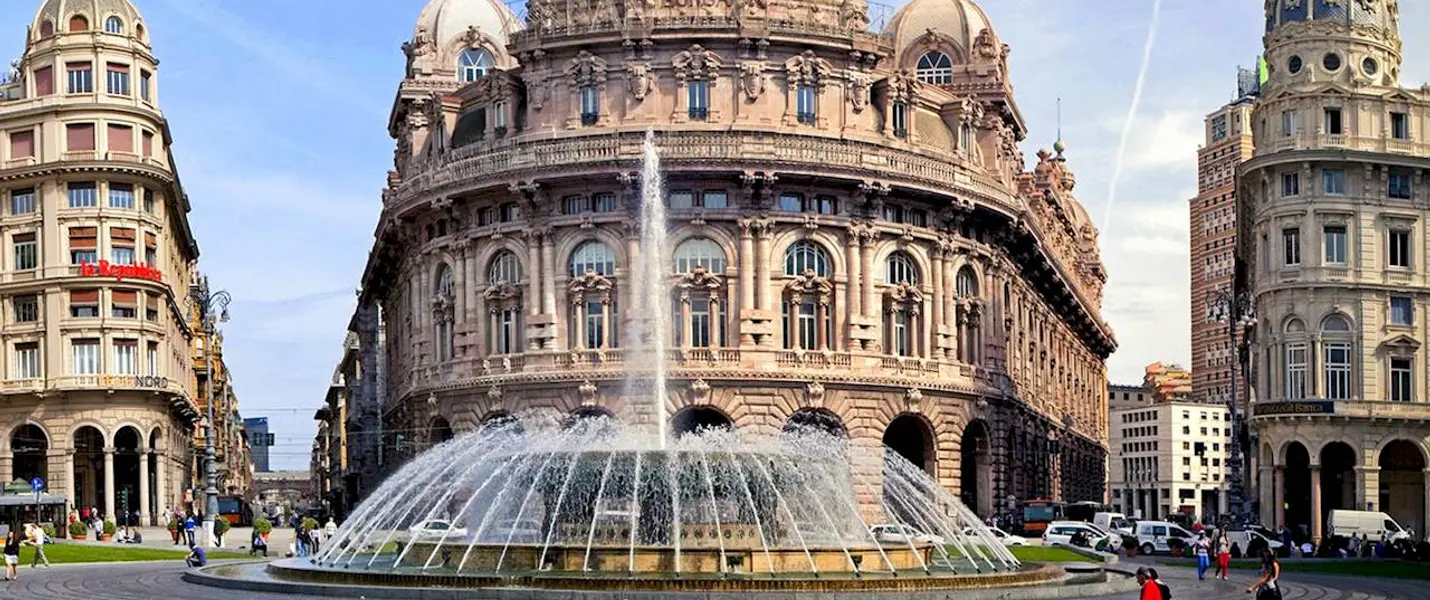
(857, 243)
(1332, 211)
(95, 264)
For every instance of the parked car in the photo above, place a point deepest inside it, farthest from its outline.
(903, 534)
(436, 529)
(1367, 525)
(1153, 536)
(1002, 536)
(525, 531)
(1078, 533)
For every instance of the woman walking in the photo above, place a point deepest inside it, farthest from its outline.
(1223, 556)
(1268, 586)
(1203, 550)
(12, 553)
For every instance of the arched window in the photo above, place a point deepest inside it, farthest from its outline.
(79, 23)
(593, 257)
(966, 283)
(900, 269)
(1297, 360)
(935, 68)
(699, 252)
(445, 281)
(473, 65)
(965, 286)
(1336, 356)
(113, 25)
(806, 256)
(47, 29)
(504, 269)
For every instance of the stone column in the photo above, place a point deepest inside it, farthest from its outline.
(7, 467)
(686, 326)
(866, 260)
(581, 338)
(747, 274)
(1425, 520)
(1368, 488)
(1278, 496)
(1264, 489)
(144, 509)
(762, 270)
(854, 290)
(1316, 503)
(950, 308)
(161, 481)
(109, 483)
(548, 291)
(69, 479)
(626, 289)
(938, 283)
(533, 266)
(460, 282)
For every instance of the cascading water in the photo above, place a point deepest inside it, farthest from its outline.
(650, 325)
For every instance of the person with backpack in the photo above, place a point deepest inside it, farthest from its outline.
(1267, 587)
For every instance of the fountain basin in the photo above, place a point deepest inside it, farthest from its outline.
(698, 560)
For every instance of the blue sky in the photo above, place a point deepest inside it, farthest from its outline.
(279, 111)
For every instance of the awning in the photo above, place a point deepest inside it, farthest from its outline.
(29, 499)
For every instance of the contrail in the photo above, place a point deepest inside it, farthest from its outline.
(1132, 110)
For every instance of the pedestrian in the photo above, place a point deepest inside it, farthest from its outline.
(301, 538)
(36, 537)
(197, 557)
(258, 544)
(1267, 587)
(1150, 589)
(331, 529)
(1203, 551)
(12, 553)
(189, 525)
(1223, 556)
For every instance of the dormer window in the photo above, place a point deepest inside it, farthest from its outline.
(113, 25)
(474, 64)
(935, 68)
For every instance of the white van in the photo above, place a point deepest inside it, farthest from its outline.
(1367, 525)
(1152, 536)
(1113, 522)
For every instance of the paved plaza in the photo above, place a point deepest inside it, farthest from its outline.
(162, 581)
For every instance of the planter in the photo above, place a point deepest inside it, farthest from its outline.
(78, 537)
(104, 537)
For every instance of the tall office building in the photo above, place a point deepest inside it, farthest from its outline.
(1213, 245)
(258, 441)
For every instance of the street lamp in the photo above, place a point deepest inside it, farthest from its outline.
(1237, 311)
(213, 309)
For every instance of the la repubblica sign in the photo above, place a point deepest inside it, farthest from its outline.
(104, 268)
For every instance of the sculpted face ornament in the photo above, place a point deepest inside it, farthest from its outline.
(640, 80)
(859, 86)
(752, 80)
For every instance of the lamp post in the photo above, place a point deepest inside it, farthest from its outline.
(1237, 310)
(213, 309)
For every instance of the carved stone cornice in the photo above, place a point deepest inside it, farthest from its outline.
(585, 69)
(697, 63)
(698, 280)
(809, 284)
(592, 283)
(905, 297)
(808, 69)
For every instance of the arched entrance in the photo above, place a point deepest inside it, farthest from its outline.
(817, 419)
(1338, 478)
(89, 468)
(1402, 484)
(693, 419)
(582, 413)
(438, 431)
(976, 468)
(29, 446)
(911, 437)
(1297, 490)
(127, 442)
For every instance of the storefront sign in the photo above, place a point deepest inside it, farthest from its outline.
(1265, 409)
(120, 272)
(133, 381)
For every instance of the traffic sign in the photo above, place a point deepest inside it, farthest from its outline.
(37, 484)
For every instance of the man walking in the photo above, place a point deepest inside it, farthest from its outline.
(35, 536)
(189, 529)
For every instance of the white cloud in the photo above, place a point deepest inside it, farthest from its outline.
(1165, 140)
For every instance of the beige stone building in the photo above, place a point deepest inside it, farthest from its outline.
(1332, 210)
(95, 265)
(857, 243)
(1168, 452)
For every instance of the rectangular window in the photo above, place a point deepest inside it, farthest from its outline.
(573, 205)
(825, 205)
(1402, 310)
(487, 216)
(121, 195)
(84, 244)
(82, 194)
(151, 359)
(85, 357)
(116, 80)
(148, 201)
(121, 138)
(27, 360)
(1290, 184)
(44, 81)
(499, 109)
(1399, 126)
(124, 304)
(26, 251)
(791, 202)
(145, 79)
(126, 357)
(151, 308)
(506, 332)
(590, 105)
(510, 212)
(1290, 122)
(900, 118)
(22, 202)
(84, 304)
(916, 217)
(22, 143)
(603, 202)
(1401, 380)
(1398, 186)
(27, 308)
(900, 334)
(81, 78)
(122, 242)
(1338, 371)
(1334, 126)
(1335, 244)
(804, 104)
(1397, 251)
(714, 199)
(147, 145)
(697, 99)
(701, 325)
(1295, 371)
(79, 137)
(1291, 247)
(595, 324)
(1333, 182)
(682, 199)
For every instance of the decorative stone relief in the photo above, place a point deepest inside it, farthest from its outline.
(858, 85)
(752, 79)
(813, 394)
(588, 393)
(854, 15)
(586, 69)
(699, 392)
(913, 400)
(903, 86)
(808, 69)
(640, 80)
(696, 63)
(537, 89)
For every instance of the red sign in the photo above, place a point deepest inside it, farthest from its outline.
(120, 272)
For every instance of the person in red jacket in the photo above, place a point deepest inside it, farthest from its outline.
(1151, 590)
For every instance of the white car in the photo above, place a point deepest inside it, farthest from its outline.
(436, 529)
(1062, 532)
(1002, 536)
(903, 534)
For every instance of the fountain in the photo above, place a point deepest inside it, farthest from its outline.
(544, 502)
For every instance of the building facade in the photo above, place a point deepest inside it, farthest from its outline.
(1332, 209)
(233, 461)
(330, 457)
(1213, 250)
(857, 243)
(1168, 454)
(95, 264)
(259, 441)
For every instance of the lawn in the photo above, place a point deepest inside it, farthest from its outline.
(91, 553)
(1394, 569)
(1037, 554)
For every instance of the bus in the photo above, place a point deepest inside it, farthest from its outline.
(234, 509)
(1038, 513)
(1084, 511)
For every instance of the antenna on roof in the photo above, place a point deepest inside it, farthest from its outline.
(1060, 118)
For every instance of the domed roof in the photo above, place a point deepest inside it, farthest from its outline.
(96, 12)
(959, 20)
(446, 20)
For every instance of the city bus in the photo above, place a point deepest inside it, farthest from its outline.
(234, 509)
(1038, 513)
(1084, 511)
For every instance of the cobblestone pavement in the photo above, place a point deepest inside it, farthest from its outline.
(161, 581)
